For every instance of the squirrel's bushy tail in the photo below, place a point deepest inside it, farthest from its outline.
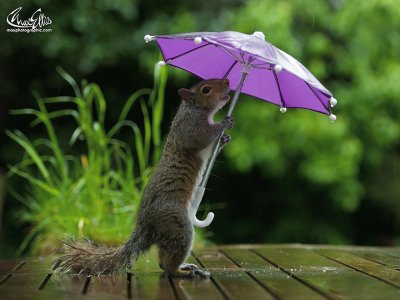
(82, 256)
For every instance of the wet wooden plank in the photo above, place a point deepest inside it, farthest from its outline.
(39, 265)
(328, 277)
(380, 257)
(385, 273)
(152, 285)
(28, 281)
(27, 273)
(68, 283)
(394, 251)
(278, 282)
(197, 289)
(148, 281)
(18, 293)
(8, 266)
(238, 272)
(233, 282)
(115, 285)
(21, 293)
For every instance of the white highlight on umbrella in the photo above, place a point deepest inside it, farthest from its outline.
(259, 34)
(198, 40)
(332, 117)
(283, 109)
(148, 38)
(278, 68)
(161, 63)
(332, 102)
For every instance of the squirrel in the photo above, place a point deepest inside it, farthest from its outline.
(163, 215)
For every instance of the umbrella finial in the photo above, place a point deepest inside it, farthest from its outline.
(278, 68)
(148, 38)
(259, 34)
(332, 102)
(198, 40)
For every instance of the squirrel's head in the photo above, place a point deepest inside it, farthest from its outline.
(209, 94)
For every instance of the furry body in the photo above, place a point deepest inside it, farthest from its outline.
(163, 218)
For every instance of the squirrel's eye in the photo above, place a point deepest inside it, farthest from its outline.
(206, 90)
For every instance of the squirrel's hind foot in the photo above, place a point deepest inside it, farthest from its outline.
(188, 267)
(202, 273)
(187, 270)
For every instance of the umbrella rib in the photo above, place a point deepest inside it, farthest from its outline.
(189, 51)
(230, 69)
(319, 99)
(279, 88)
(229, 53)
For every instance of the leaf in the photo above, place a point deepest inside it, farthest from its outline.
(23, 141)
(131, 101)
(34, 181)
(70, 80)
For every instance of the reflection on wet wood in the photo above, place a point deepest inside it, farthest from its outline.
(237, 272)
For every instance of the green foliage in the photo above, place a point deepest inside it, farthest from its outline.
(97, 193)
(354, 48)
(311, 180)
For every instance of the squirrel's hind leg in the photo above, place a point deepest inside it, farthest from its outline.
(174, 247)
(172, 262)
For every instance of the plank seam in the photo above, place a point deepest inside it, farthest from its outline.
(373, 260)
(5, 278)
(129, 285)
(86, 285)
(360, 271)
(315, 289)
(263, 286)
(9, 275)
(44, 282)
(16, 268)
(370, 259)
(171, 282)
(217, 285)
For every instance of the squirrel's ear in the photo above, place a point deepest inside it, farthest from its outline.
(186, 94)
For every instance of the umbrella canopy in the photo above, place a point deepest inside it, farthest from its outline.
(254, 67)
(273, 75)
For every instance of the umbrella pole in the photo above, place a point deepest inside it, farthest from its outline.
(198, 196)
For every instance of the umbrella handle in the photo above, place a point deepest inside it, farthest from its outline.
(195, 202)
(198, 196)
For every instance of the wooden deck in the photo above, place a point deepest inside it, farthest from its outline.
(238, 272)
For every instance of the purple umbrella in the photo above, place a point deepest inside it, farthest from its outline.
(254, 67)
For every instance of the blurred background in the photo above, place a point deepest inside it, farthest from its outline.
(284, 178)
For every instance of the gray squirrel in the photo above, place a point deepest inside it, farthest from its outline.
(163, 215)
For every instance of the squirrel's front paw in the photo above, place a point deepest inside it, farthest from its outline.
(225, 140)
(228, 122)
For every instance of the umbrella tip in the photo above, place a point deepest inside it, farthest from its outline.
(278, 68)
(161, 63)
(198, 40)
(283, 109)
(332, 101)
(148, 38)
(259, 34)
(332, 117)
